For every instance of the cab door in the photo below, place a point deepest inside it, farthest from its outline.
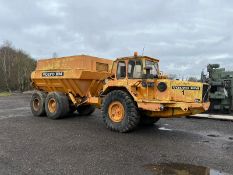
(121, 74)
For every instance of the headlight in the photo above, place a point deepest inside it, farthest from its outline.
(162, 86)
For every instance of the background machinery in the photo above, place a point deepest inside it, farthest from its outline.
(221, 91)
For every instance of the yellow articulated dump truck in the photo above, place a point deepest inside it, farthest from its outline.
(129, 91)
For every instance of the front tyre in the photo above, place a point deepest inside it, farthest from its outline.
(120, 112)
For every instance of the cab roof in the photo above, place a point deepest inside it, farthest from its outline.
(137, 57)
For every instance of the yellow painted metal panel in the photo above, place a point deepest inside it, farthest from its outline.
(79, 75)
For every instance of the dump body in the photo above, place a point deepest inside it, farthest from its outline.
(80, 75)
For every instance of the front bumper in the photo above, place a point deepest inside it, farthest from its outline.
(163, 105)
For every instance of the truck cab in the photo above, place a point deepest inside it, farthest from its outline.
(138, 67)
(155, 94)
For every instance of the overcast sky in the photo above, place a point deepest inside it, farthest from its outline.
(185, 35)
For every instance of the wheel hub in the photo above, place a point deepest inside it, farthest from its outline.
(36, 104)
(116, 111)
(52, 105)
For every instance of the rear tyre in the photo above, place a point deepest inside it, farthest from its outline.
(37, 103)
(56, 105)
(86, 109)
(120, 112)
(148, 121)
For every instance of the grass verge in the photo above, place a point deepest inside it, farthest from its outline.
(5, 94)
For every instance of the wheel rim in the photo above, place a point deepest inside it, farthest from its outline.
(36, 104)
(52, 105)
(116, 111)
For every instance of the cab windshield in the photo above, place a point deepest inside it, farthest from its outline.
(154, 68)
(135, 69)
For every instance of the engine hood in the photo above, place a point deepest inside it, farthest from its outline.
(180, 91)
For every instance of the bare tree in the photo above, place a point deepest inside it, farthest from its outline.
(5, 54)
(193, 79)
(172, 76)
(15, 68)
(54, 55)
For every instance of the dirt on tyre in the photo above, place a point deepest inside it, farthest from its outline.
(37, 103)
(120, 112)
(56, 105)
(86, 109)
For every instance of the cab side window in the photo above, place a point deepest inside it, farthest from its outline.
(135, 69)
(121, 70)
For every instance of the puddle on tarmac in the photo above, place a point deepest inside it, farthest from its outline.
(181, 169)
(213, 135)
(165, 129)
(205, 141)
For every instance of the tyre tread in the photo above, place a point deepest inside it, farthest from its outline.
(42, 95)
(132, 114)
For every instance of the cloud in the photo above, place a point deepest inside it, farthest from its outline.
(184, 35)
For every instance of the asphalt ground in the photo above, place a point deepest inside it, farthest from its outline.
(83, 145)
